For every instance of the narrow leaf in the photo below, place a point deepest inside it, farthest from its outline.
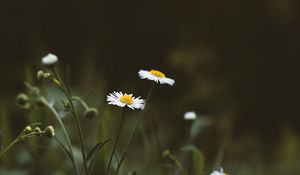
(198, 160)
(92, 154)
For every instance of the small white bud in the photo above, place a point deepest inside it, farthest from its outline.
(50, 132)
(40, 75)
(190, 115)
(49, 60)
(27, 129)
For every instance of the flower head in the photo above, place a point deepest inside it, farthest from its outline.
(120, 99)
(49, 60)
(190, 115)
(156, 76)
(216, 172)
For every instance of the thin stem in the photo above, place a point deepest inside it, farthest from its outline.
(9, 146)
(116, 141)
(55, 114)
(134, 130)
(74, 111)
(85, 106)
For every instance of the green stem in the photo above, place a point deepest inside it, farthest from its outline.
(74, 111)
(134, 130)
(85, 106)
(9, 146)
(116, 141)
(55, 114)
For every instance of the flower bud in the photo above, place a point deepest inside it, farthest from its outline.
(38, 131)
(40, 75)
(22, 99)
(90, 113)
(49, 60)
(27, 130)
(50, 132)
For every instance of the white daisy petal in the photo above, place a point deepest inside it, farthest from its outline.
(156, 76)
(122, 100)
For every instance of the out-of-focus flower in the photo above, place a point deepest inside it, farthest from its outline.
(156, 76)
(49, 60)
(120, 99)
(191, 115)
(216, 172)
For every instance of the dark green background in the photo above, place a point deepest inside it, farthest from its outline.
(234, 60)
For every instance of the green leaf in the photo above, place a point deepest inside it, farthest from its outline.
(197, 159)
(96, 148)
(92, 154)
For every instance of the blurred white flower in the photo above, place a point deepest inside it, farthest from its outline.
(191, 115)
(120, 99)
(49, 60)
(156, 76)
(216, 172)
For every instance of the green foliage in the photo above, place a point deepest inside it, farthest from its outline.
(197, 159)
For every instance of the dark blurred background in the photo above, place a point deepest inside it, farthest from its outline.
(234, 60)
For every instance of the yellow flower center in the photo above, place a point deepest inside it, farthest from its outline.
(157, 73)
(126, 99)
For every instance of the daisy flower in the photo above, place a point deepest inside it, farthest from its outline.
(120, 99)
(156, 76)
(49, 60)
(215, 172)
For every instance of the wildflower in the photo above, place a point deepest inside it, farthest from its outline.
(190, 115)
(49, 60)
(120, 99)
(216, 172)
(156, 76)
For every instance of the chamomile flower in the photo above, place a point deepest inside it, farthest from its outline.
(156, 76)
(120, 99)
(216, 172)
(49, 60)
